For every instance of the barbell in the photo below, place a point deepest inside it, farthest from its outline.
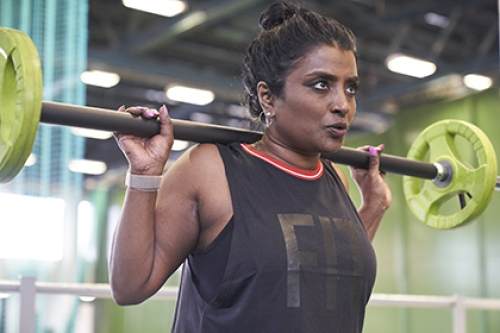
(434, 170)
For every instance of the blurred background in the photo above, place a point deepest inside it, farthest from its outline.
(419, 62)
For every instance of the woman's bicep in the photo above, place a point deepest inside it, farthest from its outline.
(182, 225)
(177, 225)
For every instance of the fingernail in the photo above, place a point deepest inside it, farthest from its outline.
(372, 151)
(121, 108)
(140, 108)
(149, 113)
(164, 109)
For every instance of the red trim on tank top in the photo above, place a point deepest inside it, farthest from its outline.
(296, 172)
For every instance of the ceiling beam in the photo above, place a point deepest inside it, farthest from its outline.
(368, 21)
(167, 32)
(444, 36)
(149, 73)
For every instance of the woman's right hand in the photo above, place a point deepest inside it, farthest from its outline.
(147, 156)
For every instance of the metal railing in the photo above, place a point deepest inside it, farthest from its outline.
(28, 288)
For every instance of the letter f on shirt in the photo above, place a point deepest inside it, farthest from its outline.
(295, 257)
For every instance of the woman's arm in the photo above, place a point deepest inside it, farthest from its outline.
(150, 242)
(148, 245)
(375, 193)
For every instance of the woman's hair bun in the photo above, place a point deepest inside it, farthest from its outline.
(276, 14)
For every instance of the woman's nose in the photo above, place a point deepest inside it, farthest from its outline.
(340, 104)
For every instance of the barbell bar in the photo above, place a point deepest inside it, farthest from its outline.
(22, 108)
(112, 121)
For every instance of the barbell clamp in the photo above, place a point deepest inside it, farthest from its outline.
(444, 174)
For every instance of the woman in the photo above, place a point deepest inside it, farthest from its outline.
(269, 238)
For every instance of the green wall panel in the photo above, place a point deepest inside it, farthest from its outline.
(150, 316)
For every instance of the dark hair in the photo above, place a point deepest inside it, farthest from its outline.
(288, 33)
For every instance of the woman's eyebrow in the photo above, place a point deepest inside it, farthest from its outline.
(331, 77)
(354, 79)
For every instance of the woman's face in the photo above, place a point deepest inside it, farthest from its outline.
(318, 102)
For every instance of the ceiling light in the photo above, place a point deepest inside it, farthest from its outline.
(402, 64)
(477, 82)
(91, 133)
(100, 78)
(190, 95)
(437, 20)
(87, 167)
(166, 8)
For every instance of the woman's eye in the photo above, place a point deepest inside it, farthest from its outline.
(322, 85)
(352, 89)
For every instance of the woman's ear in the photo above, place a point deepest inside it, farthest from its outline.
(266, 98)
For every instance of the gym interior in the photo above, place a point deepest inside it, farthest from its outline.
(57, 216)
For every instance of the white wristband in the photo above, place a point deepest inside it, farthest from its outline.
(143, 183)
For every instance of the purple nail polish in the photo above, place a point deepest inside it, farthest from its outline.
(372, 151)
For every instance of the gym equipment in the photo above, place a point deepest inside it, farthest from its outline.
(473, 184)
(20, 100)
(21, 107)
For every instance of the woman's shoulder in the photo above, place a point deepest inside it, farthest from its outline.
(203, 150)
(340, 173)
(198, 170)
(207, 160)
(203, 155)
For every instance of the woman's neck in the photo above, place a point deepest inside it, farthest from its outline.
(286, 154)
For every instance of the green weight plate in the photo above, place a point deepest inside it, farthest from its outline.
(472, 158)
(20, 102)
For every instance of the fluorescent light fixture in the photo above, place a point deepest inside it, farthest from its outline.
(100, 78)
(179, 145)
(88, 167)
(436, 20)
(91, 133)
(168, 8)
(406, 65)
(190, 95)
(477, 82)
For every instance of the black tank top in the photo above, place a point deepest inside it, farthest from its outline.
(299, 257)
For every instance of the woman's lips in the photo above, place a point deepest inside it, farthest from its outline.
(338, 130)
